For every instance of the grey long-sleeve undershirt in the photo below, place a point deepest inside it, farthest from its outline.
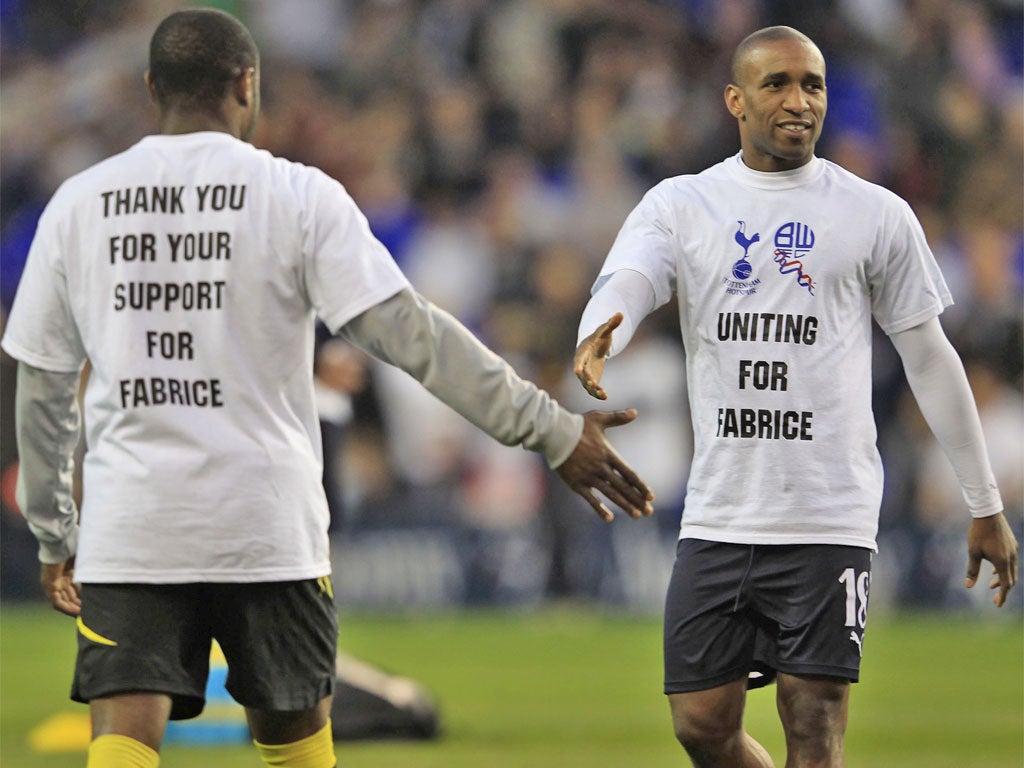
(48, 419)
(438, 351)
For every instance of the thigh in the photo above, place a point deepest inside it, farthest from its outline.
(816, 598)
(709, 636)
(142, 638)
(279, 639)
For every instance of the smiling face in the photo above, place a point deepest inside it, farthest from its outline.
(779, 100)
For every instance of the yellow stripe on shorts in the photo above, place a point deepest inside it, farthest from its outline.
(88, 634)
(326, 586)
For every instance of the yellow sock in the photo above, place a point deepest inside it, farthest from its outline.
(316, 751)
(115, 751)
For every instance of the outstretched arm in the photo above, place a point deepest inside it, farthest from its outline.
(939, 383)
(47, 422)
(438, 351)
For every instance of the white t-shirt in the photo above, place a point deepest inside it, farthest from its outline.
(188, 271)
(777, 277)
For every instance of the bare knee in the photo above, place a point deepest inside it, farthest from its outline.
(140, 716)
(709, 724)
(284, 727)
(703, 734)
(814, 716)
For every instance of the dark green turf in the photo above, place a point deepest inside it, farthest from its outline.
(570, 687)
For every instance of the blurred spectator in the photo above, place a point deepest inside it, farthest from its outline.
(339, 375)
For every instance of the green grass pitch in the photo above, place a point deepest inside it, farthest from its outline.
(566, 687)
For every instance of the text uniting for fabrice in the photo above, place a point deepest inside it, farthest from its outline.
(166, 297)
(765, 375)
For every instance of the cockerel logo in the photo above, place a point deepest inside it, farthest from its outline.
(741, 269)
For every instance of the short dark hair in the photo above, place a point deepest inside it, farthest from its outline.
(766, 35)
(195, 54)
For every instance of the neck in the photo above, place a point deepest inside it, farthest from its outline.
(176, 122)
(770, 163)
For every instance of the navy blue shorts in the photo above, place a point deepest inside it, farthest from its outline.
(741, 610)
(279, 640)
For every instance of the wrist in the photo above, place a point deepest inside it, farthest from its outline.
(987, 512)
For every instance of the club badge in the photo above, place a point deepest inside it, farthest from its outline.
(793, 243)
(740, 282)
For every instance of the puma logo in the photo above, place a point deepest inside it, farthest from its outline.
(860, 649)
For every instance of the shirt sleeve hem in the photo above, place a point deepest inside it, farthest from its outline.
(51, 553)
(337, 320)
(564, 440)
(917, 318)
(41, 362)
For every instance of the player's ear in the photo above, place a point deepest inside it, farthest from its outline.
(244, 87)
(734, 101)
(148, 79)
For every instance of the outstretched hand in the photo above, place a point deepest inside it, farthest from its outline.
(58, 584)
(588, 363)
(990, 538)
(595, 466)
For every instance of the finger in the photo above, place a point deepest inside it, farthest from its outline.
(602, 511)
(1003, 581)
(592, 387)
(634, 481)
(628, 496)
(582, 361)
(1000, 597)
(973, 566)
(613, 322)
(617, 463)
(70, 590)
(66, 601)
(631, 493)
(67, 607)
(625, 482)
(73, 595)
(616, 419)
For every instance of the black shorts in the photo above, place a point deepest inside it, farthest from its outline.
(740, 610)
(279, 640)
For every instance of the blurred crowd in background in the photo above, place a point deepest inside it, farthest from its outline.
(496, 146)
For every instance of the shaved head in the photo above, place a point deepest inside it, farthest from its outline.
(762, 36)
(194, 54)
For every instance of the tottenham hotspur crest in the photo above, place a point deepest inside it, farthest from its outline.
(740, 283)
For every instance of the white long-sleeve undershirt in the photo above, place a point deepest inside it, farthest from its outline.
(937, 378)
(626, 291)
